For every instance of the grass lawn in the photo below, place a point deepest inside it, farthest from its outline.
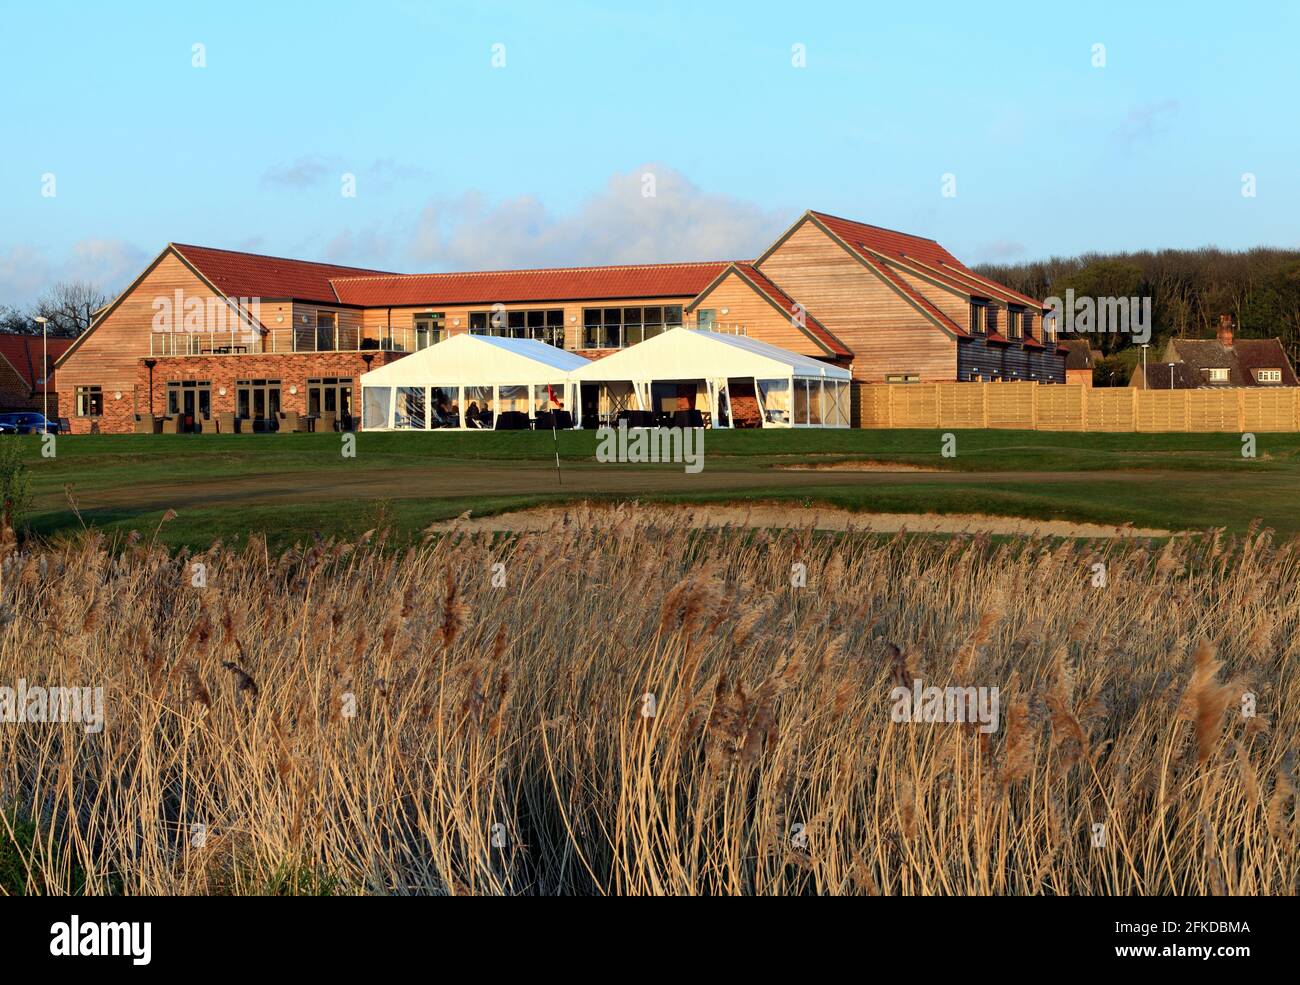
(292, 486)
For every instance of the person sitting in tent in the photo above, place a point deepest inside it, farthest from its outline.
(476, 418)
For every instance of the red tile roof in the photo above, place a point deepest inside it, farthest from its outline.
(23, 353)
(920, 299)
(250, 275)
(650, 280)
(867, 239)
(787, 304)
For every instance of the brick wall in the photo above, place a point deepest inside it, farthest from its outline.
(292, 371)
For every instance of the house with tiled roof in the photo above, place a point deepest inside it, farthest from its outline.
(205, 332)
(1222, 362)
(24, 370)
(1080, 360)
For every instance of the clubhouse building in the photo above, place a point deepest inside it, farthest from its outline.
(209, 339)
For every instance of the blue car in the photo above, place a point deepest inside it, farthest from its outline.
(27, 422)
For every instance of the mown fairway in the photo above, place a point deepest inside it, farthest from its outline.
(292, 486)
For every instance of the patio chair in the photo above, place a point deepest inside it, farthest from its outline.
(291, 422)
(327, 421)
(207, 424)
(227, 423)
(144, 424)
(171, 425)
(563, 419)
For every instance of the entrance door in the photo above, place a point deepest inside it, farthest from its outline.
(430, 329)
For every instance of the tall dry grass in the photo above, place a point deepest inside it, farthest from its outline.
(500, 742)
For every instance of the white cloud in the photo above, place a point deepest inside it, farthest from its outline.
(302, 173)
(26, 272)
(618, 224)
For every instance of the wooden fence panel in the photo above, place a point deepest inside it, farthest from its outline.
(1061, 408)
(873, 405)
(1011, 405)
(961, 407)
(1111, 409)
(1075, 407)
(1213, 410)
(915, 405)
(1268, 410)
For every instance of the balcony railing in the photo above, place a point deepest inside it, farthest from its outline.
(278, 340)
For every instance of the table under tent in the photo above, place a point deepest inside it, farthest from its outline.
(473, 382)
(696, 378)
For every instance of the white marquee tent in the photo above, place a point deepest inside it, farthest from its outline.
(469, 382)
(791, 390)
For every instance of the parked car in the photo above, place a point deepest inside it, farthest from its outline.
(27, 422)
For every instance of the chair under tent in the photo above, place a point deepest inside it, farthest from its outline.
(696, 378)
(473, 383)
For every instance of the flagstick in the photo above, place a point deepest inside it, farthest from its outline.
(555, 436)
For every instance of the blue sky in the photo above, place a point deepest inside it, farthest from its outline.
(462, 164)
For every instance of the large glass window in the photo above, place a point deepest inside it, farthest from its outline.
(835, 400)
(544, 325)
(90, 401)
(618, 328)
(774, 401)
(479, 410)
(330, 395)
(815, 412)
(548, 397)
(376, 401)
(800, 402)
(430, 329)
(257, 399)
(512, 398)
(410, 408)
(189, 400)
(327, 323)
(444, 407)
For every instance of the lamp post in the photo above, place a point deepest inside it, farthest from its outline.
(45, 372)
(1171, 376)
(151, 363)
(1145, 346)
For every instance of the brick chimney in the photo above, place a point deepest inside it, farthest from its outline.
(1225, 331)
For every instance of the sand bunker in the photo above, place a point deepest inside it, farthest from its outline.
(786, 515)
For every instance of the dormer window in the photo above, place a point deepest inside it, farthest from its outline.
(1268, 375)
(1027, 319)
(977, 310)
(1013, 323)
(991, 319)
(1218, 374)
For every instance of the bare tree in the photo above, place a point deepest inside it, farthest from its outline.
(13, 321)
(70, 306)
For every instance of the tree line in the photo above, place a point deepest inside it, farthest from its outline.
(1189, 289)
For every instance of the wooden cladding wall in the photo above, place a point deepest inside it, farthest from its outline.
(885, 333)
(1074, 407)
(746, 306)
